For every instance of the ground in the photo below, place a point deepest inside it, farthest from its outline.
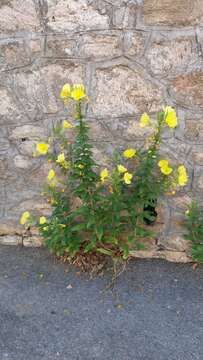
(48, 311)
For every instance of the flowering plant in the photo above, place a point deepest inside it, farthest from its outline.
(113, 204)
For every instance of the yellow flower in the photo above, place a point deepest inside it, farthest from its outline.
(145, 120)
(51, 175)
(121, 169)
(42, 148)
(61, 158)
(67, 125)
(65, 91)
(170, 117)
(182, 175)
(182, 180)
(127, 178)
(182, 170)
(78, 92)
(164, 167)
(129, 153)
(81, 166)
(42, 220)
(104, 174)
(163, 163)
(166, 170)
(62, 225)
(24, 218)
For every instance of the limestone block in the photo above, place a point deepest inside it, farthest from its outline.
(134, 42)
(173, 256)
(166, 58)
(122, 91)
(194, 130)
(125, 14)
(197, 156)
(11, 240)
(9, 111)
(74, 15)
(173, 12)
(22, 162)
(32, 241)
(8, 227)
(27, 132)
(18, 15)
(176, 242)
(180, 202)
(40, 88)
(99, 46)
(60, 47)
(188, 89)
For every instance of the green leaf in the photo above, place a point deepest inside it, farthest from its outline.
(79, 227)
(89, 247)
(90, 222)
(105, 251)
(131, 239)
(99, 232)
(125, 249)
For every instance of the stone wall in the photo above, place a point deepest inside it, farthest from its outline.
(132, 55)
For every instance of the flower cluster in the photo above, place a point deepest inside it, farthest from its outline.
(116, 202)
(75, 92)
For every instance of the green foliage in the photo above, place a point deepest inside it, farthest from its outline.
(194, 226)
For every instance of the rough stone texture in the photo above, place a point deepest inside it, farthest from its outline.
(18, 15)
(133, 56)
(188, 89)
(168, 57)
(74, 15)
(130, 92)
(170, 12)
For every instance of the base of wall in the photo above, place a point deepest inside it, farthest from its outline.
(155, 253)
(172, 256)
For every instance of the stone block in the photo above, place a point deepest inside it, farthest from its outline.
(22, 162)
(170, 57)
(18, 53)
(74, 15)
(125, 14)
(194, 130)
(134, 42)
(32, 241)
(180, 202)
(11, 240)
(173, 12)
(100, 46)
(18, 16)
(60, 47)
(10, 228)
(198, 179)
(121, 91)
(9, 110)
(40, 89)
(27, 132)
(187, 89)
(176, 242)
(197, 156)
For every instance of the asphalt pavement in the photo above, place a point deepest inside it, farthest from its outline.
(49, 311)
